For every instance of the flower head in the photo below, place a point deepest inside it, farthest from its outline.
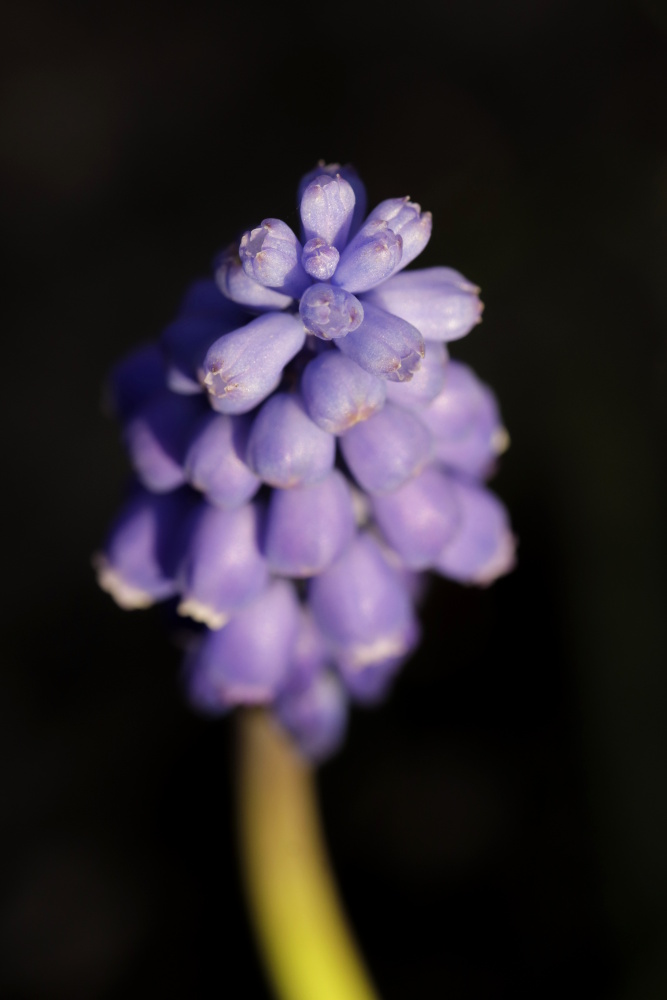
(304, 450)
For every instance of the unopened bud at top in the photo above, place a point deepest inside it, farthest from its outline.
(406, 219)
(370, 258)
(349, 174)
(271, 255)
(327, 205)
(319, 259)
(236, 285)
(330, 312)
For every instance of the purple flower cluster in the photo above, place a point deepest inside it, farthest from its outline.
(303, 450)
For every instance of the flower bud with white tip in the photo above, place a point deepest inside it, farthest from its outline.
(223, 569)
(247, 662)
(139, 560)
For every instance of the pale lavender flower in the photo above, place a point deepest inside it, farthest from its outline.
(306, 450)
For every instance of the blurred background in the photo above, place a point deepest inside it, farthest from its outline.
(499, 826)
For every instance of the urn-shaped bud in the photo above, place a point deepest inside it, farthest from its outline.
(271, 255)
(330, 312)
(243, 367)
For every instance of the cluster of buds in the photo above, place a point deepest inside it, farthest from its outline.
(303, 450)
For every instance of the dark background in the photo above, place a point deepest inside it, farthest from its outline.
(499, 827)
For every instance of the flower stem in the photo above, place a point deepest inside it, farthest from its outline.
(307, 945)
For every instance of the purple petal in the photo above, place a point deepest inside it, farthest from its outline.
(364, 610)
(271, 255)
(223, 569)
(157, 438)
(440, 302)
(426, 382)
(464, 420)
(338, 393)
(484, 547)
(327, 205)
(329, 312)
(318, 259)
(138, 563)
(285, 447)
(419, 518)
(215, 464)
(387, 449)
(235, 284)
(308, 527)
(247, 661)
(315, 717)
(243, 367)
(384, 346)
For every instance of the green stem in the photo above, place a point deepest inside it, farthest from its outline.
(307, 945)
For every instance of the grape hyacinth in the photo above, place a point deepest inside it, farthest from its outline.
(303, 450)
